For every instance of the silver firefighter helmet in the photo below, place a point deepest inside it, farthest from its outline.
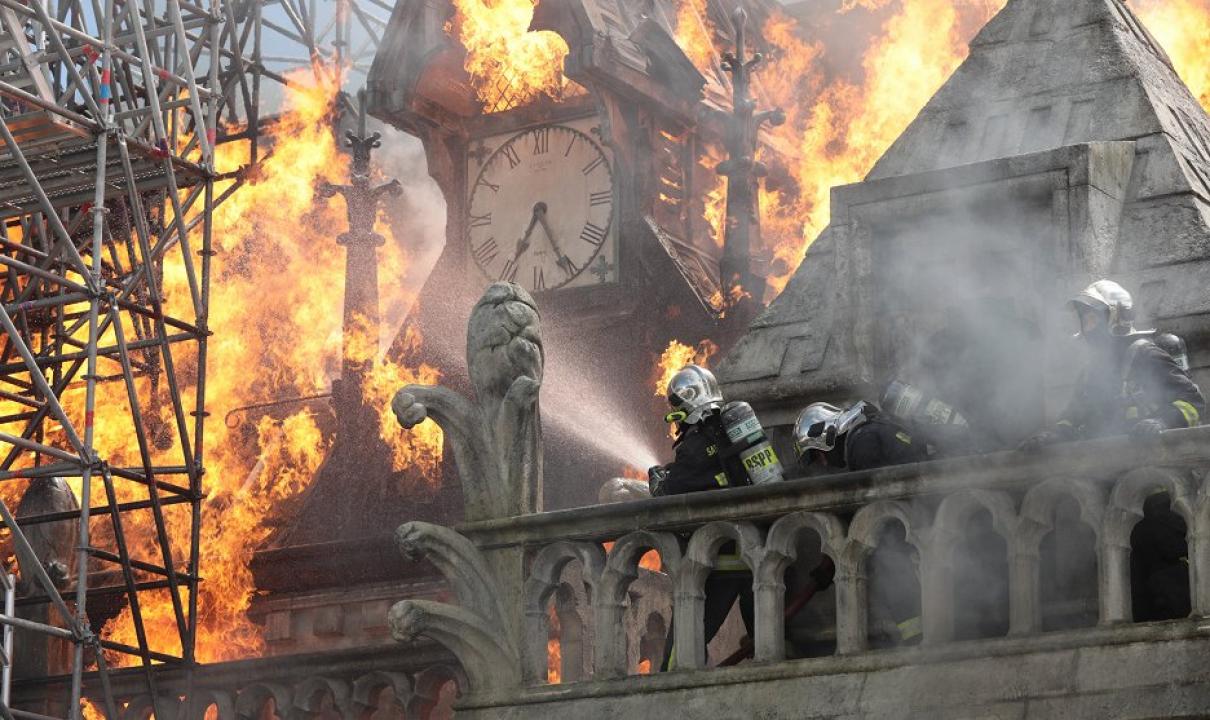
(1174, 345)
(693, 392)
(1112, 301)
(821, 424)
(815, 428)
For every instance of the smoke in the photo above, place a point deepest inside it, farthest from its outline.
(417, 221)
(966, 307)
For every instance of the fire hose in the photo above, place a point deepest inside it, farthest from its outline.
(821, 579)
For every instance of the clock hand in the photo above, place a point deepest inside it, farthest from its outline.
(564, 262)
(523, 243)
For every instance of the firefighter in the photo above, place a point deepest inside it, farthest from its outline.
(1131, 385)
(859, 437)
(702, 463)
(701, 440)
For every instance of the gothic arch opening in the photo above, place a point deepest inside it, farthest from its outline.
(810, 610)
(980, 575)
(1159, 562)
(568, 645)
(1067, 570)
(651, 644)
(893, 589)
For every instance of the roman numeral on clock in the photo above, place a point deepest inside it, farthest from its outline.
(509, 273)
(596, 163)
(601, 197)
(510, 152)
(485, 253)
(541, 141)
(481, 220)
(593, 234)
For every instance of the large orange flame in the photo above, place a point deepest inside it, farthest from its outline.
(835, 133)
(676, 356)
(696, 34)
(1183, 29)
(276, 295)
(509, 65)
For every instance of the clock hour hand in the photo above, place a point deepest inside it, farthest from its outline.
(563, 262)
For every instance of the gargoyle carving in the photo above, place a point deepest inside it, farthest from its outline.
(497, 437)
(474, 630)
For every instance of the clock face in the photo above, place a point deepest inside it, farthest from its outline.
(541, 208)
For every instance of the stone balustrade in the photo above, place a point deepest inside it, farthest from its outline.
(934, 503)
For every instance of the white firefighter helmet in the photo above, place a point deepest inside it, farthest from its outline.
(1112, 301)
(693, 392)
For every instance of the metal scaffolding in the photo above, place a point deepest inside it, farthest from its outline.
(108, 112)
(111, 112)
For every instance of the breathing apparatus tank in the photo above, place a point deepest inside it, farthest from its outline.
(911, 404)
(748, 440)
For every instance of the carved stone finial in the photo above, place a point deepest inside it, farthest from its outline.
(475, 629)
(742, 170)
(497, 437)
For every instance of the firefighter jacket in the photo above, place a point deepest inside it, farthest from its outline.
(702, 460)
(877, 442)
(1144, 383)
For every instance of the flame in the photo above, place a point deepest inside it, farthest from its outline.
(722, 302)
(509, 65)
(714, 199)
(650, 560)
(695, 34)
(835, 137)
(1181, 28)
(554, 650)
(836, 129)
(676, 356)
(644, 667)
(275, 306)
(421, 446)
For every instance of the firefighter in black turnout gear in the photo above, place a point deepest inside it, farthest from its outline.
(701, 440)
(703, 462)
(1132, 385)
(1138, 385)
(859, 437)
(828, 439)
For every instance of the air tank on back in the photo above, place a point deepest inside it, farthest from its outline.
(749, 441)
